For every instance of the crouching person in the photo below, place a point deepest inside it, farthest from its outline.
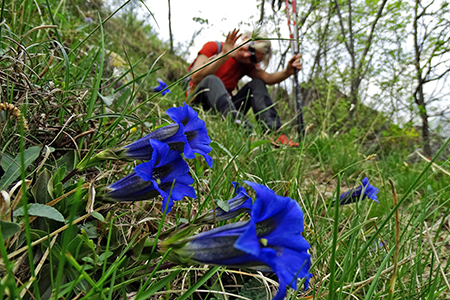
(212, 86)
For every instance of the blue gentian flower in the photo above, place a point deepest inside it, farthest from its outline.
(188, 134)
(195, 130)
(140, 149)
(166, 174)
(170, 134)
(271, 241)
(366, 190)
(238, 205)
(162, 86)
(131, 188)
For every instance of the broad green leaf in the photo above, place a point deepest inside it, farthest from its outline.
(8, 229)
(13, 171)
(41, 210)
(58, 189)
(68, 160)
(223, 205)
(107, 99)
(40, 190)
(103, 256)
(87, 259)
(59, 174)
(6, 161)
(98, 216)
(37, 234)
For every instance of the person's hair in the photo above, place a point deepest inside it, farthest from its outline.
(263, 46)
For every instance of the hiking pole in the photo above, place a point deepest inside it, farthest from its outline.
(294, 45)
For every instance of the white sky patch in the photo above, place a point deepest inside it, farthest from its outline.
(222, 16)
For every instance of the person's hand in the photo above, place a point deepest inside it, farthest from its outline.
(294, 63)
(231, 40)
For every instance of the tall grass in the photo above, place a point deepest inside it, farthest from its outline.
(58, 79)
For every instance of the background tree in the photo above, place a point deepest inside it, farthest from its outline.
(353, 45)
(431, 33)
(170, 30)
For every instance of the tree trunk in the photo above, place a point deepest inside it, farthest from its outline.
(419, 96)
(420, 101)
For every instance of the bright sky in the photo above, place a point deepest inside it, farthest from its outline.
(222, 17)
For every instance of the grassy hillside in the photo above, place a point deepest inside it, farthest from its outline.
(76, 80)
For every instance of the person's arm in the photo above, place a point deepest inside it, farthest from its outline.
(277, 77)
(202, 59)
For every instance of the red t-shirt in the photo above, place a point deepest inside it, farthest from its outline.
(231, 71)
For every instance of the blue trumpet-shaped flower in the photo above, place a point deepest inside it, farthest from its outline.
(271, 241)
(188, 135)
(166, 174)
(170, 134)
(195, 131)
(238, 205)
(366, 190)
(161, 87)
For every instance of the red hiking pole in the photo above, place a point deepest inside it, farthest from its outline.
(294, 45)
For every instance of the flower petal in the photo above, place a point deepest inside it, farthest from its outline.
(131, 188)
(354, 194)
(169, 174)
(142, 150)
(195, 131)
(162, 85)
(271, 241)
(240, 204)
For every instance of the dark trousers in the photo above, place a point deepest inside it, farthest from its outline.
(212, 94)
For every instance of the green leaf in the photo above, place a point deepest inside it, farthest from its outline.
(125, 95)
(252, 289)
(158, 285)
(59, 174)
(217, 145)
(200, 281)
(68, 160)
(103, 256)
(13, 170)
(6, 161)
(41, 210)
(107, 99)
(378, 275)
(133, 118)
(58, 189)
(40, 190)
(8, 229)
(98, 216)
(87, 259)
(223, 205)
